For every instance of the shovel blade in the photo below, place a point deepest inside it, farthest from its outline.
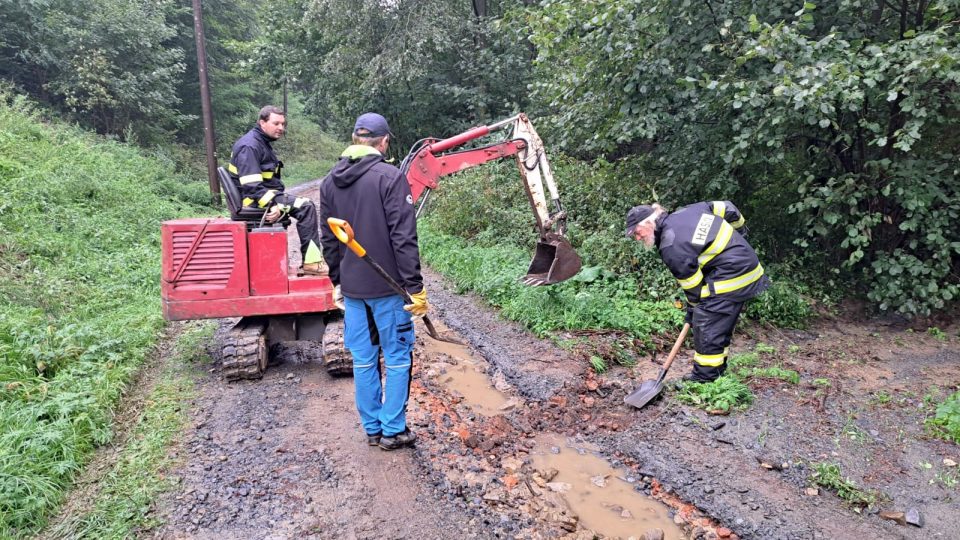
(645, 394)
(554, 261)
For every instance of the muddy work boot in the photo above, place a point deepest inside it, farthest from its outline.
(373, 440)
(704, 374)
(314, 269)
(400, 440)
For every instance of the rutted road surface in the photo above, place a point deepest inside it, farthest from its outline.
(285, 457)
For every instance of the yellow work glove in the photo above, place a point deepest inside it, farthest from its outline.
(419, 306)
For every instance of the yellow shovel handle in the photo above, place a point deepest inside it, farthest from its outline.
(344, 232)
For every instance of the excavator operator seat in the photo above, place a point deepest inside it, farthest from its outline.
(248, 214)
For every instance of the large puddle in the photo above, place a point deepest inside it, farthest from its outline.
(464, 374)
(600, 495)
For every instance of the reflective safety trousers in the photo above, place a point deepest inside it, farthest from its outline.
(704, 250)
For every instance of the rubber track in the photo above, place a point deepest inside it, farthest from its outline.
(336, 358)
(244, 351)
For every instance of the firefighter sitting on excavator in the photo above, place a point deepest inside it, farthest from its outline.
(255, 168)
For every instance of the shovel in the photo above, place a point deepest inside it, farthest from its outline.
(651, 389)
(344, 232)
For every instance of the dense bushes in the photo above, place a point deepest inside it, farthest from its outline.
(80, 310)
(489, 208)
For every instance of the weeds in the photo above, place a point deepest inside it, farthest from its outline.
(829, 476)
(598, 364)
(937, 333)
(723, 395)
(945, 423)
(763, 348)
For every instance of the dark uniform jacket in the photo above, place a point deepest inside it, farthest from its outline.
(255, 168)
(374, 197)
(703, 249)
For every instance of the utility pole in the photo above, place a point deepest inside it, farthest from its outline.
(208, 135)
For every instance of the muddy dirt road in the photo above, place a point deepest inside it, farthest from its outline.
(518, 439)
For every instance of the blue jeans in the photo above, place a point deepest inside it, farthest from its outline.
(372, 325)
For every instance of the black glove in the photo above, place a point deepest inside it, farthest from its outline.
(744, 231)
(688, 319)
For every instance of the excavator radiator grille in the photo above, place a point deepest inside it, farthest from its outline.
(210, 263)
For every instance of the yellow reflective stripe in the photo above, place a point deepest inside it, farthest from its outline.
(710, 360)
(300, 201)
(250, 179)
(267, 175)
(718, 245)
(267, 197)
(247, 201)
(719, 208)
(739, 223)
(691, 281)
(312, 255)
(730, 285)
(232, 168)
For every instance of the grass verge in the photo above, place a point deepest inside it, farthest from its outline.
(124, 492)
(80, 310)
(829, 476)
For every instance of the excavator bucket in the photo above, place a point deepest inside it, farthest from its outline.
(554, 261)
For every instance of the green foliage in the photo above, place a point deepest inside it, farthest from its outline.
(845, 115)
(432, 68)
(494, 273)
(830, 477)
(125, 492)
(937, 333)
(763, 348)
(116, 74)
(79, 256)
(598, 364)
(946, 421)
(724, 394)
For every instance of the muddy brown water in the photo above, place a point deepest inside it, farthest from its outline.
(602, 497)
(465, 374)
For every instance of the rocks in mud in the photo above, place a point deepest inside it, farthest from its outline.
(653, 534)
(898, 517)
(913, 517)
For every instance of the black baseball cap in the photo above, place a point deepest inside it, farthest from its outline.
(636, 215)
(371, 125)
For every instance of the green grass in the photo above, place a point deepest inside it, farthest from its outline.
(945, 423)
(725, 394)
(829, 476)
(125, 491)
(495, 272)
(79, 279)
(731, 392)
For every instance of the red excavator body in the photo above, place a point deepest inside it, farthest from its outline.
(215, 268)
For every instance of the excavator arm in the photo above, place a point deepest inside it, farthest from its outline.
(554, 260)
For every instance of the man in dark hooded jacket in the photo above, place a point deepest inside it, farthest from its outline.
(703, 248)
(374, 197)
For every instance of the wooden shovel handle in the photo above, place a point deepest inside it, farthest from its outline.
(676, 347)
